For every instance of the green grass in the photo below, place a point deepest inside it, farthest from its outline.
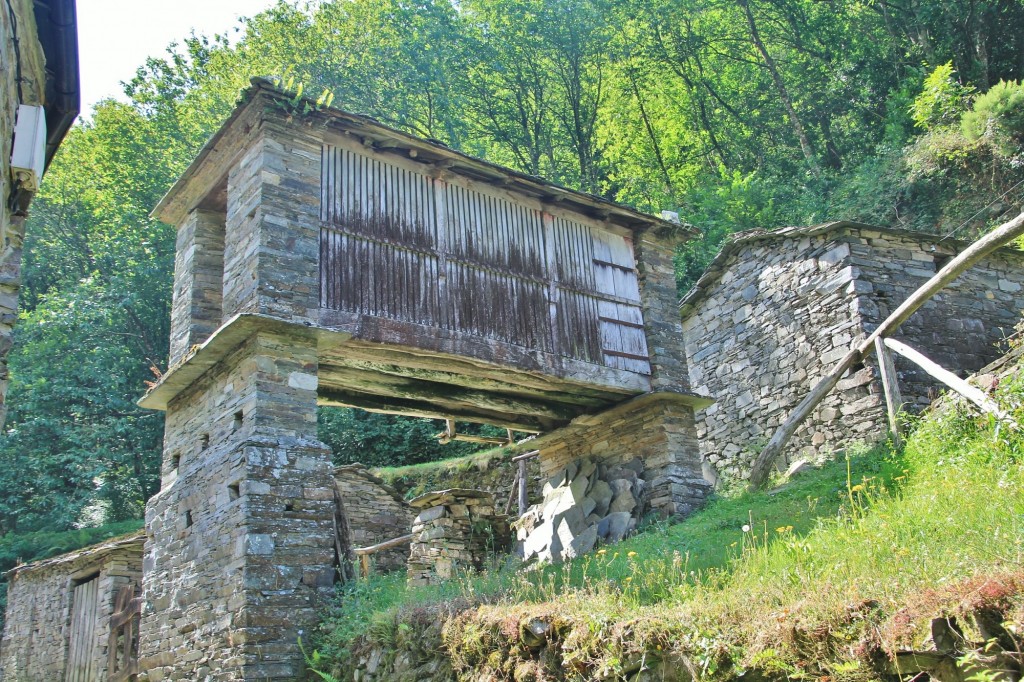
(814, 586)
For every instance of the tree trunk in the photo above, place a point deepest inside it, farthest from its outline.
(780, 86)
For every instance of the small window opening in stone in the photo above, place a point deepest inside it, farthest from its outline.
(940, 261)
(289, 506)
(234, 491)
(188, 519)
(237, 424)
(204, 441)
(175, 461)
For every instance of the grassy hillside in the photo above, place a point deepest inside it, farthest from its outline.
(827, 577)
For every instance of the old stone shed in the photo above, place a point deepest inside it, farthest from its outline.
(59, 611)
(775, 310)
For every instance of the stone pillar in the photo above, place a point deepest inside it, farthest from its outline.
(240, 538)
(272, 242)
(660, 301)
(198, 277)
(456, 531)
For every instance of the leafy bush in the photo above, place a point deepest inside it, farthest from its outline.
(942, 100)
(998, 114)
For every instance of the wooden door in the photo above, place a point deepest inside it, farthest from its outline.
(82, 635)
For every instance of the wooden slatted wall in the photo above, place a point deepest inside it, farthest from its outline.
(398, 244)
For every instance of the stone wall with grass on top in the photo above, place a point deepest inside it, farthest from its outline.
(776, 311)
(492, 471)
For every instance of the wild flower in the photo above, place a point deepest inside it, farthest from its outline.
(746, 528)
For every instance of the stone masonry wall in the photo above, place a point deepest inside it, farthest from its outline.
(375, 512)
(656, 428)
(240, 540)
(781, 314)
(39, 603)
(12, 222)
(784, 309)
(963, 328)
(494, 472)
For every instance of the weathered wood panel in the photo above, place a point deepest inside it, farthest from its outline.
(402, 245)
(82, 642)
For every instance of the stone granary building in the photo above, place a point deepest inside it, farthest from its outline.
(39, 100)
(776, 310)
(323, 258)
(59, 613)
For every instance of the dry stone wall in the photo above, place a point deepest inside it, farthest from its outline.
(494, 472)
(658, 429)
(40, 602)
(776, 311)
(455, 531)
(585, 503)
(963, 328)
(375, 512)
(241, 535)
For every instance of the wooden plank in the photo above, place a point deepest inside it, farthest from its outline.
(891, 388)
(971, 393)
(1001, 236)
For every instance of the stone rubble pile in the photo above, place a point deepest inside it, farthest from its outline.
(456, 530)
(584, 503)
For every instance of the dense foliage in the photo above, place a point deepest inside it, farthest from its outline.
(742, 114)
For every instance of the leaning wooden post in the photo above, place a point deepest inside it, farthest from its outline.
(891, 387)
(522, 487)
(973, 394)
(998, 237)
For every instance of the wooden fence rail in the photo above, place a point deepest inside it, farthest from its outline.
(999, 237)
(364, 553)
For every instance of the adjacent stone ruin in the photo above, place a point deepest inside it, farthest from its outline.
(59, 611)
(375, 513)
(584, 503)
(775, 311)
(456, 531)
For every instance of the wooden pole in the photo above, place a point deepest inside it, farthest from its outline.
(975, 395)
(522, 488)
(891, 387)
(1001, 236)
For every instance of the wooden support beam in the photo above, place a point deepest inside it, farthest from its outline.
(999, 237)
(414, 408)
(973, 394)
(455, 399)
(891, 387)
